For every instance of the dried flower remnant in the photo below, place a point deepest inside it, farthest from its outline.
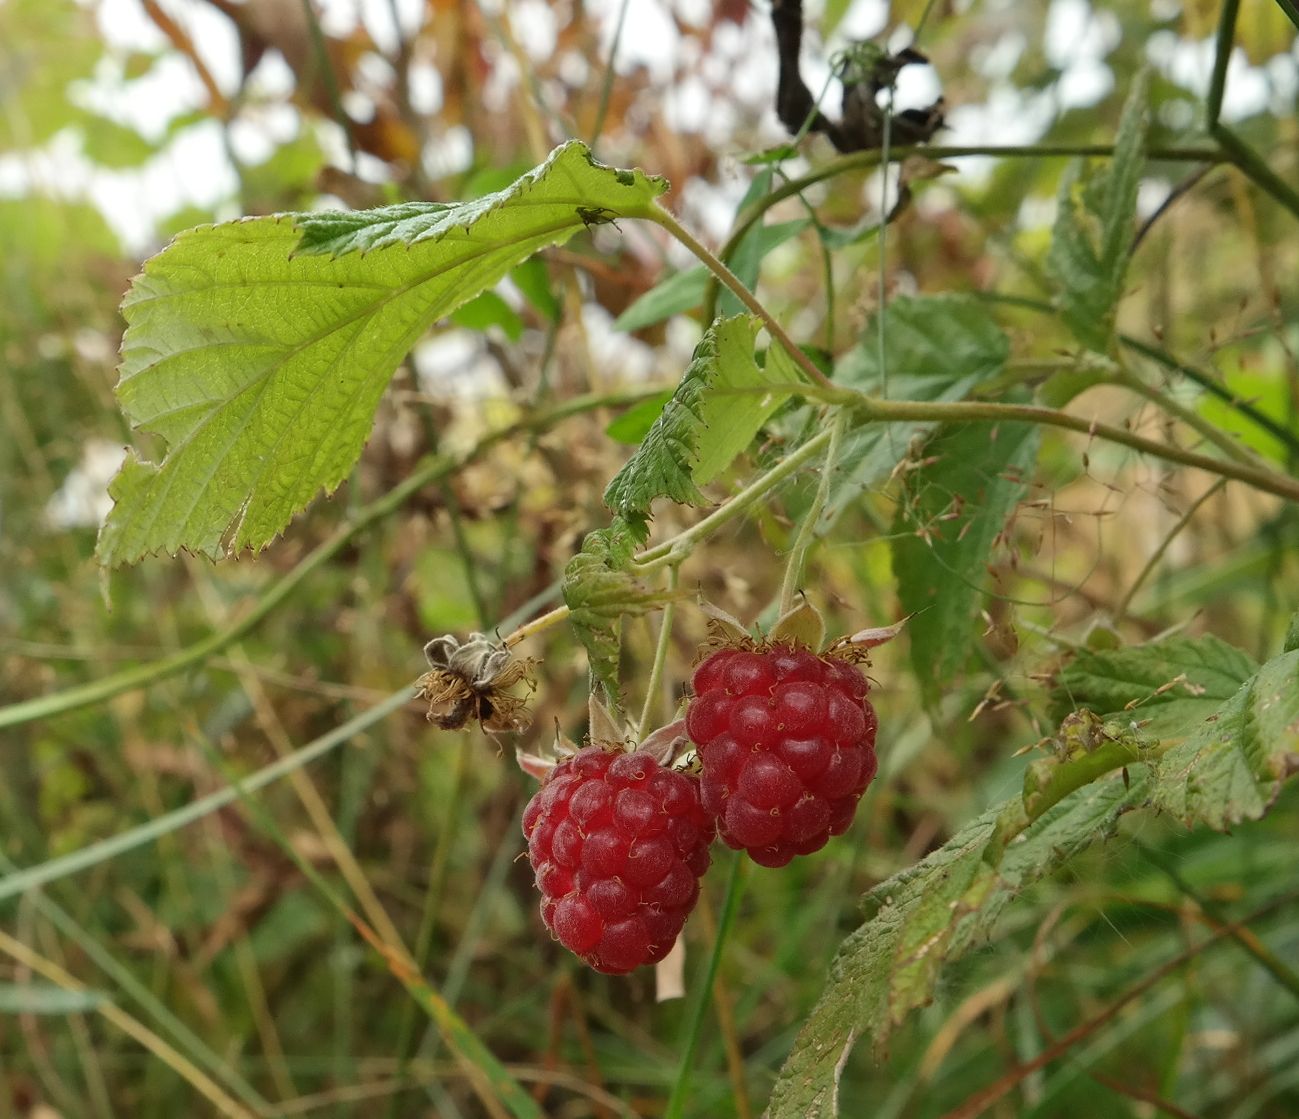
(470, 681)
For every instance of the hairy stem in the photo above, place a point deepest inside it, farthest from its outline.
(744, 295)
(966, 411)
(807, 530)
(661, 648)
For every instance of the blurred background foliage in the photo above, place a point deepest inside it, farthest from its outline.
(124, 121)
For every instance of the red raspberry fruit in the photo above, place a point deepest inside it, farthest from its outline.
(787, 742)
(618, 844)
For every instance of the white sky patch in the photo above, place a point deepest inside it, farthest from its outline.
(649, 37)
(82, 501)
(1250, 89)
(448, 154)
(535, 27)
(150, 103)
(864, 19)
(1151, 194)
(425, 83)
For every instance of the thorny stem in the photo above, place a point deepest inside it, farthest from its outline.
(872, 408)
(661, 648)
(661, 216)
(807, 530)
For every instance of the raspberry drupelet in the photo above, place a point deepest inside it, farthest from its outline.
(618, 844)
(787, 743)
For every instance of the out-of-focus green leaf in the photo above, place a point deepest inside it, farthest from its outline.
(489, 309)
(634, 424)
(680, 292)
(533, 279)
(747, 260)
(1094, 229)
(45, 45)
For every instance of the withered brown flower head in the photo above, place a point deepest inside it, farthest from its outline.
(469, 681)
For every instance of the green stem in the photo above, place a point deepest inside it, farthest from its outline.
(432, 470)
(858, 161)
(968, 411)
(1280, 971)
(672, 551)
(658, 214)
(1221, 56)
(1246, 160)
(661, 648)
(702, 993)
(1206, 381)
(807, 530)
(1210, 385)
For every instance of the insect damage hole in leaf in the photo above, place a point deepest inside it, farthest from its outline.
(258, 349)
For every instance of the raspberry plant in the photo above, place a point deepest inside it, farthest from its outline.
(901, 454)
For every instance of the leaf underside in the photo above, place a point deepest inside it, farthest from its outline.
(712, 416)
(259, 349)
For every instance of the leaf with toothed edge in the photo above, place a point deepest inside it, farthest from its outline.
(598, 590)
(712, 416)
(1216, 769)
(259, 349)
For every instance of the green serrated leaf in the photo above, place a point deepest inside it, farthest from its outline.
(1093, 233)
(926, 916)
(936, 347)
(1230, 767)
(711, 418)
(955, 507)
(1168, 686)
(258, 349)
(599, 590)
(533, 279)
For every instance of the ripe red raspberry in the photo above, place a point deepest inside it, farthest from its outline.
(618, 844)
(787, 742)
